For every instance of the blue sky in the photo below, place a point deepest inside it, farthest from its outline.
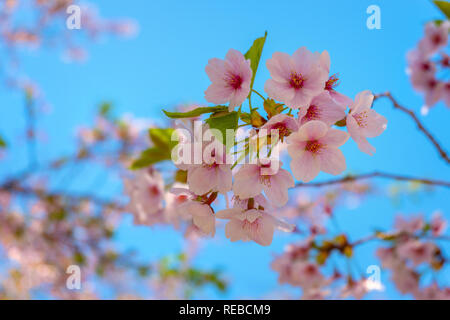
(164, 65)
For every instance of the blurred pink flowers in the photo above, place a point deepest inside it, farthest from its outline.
(146, 192)
(251, 225)
(424, 70)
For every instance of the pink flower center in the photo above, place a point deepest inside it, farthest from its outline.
(234, 81)
(361, 119)
(296, 81)
(437, 39)
(283, 131)
(426, 66)
(432, 83)
(419, 250)
(181, 199)
(313, 146)
(312, 113)
(265, 179)
(153, 191)
(310, 270)
(332, 82)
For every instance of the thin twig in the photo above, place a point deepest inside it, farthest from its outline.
(376, 174)
(399, 234)
(42, 194)
(419, 124)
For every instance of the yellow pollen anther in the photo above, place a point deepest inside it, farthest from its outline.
(265, 179)
(312, 113)
(313, 146)
(361, 119)
(296, 80)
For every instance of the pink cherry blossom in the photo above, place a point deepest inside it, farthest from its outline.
(432, 88)
(416, 251)
(314, 148)
(307, 275)
(356, 289)
(258, 201)
(406, 280)
(283, 123)
(409, 225)
(388, 257)
(202, 216)
(251, 225)
(283, 263)
(230, 79)
(435, 37)
(432, 292)
(363, 122)
(333, 82)
(438, 224)
(315, 294)
(146, 191)
(190, 208)
(297, 79)
(323, 108)
(214, 174)
(419, 66)
(252, 179)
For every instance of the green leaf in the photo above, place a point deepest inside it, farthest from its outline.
(105, 109)
(254, 54)
(149, 157)
(224, 122)
(246, 117)
(194, 113)
(444, 6)
(341, 123)
(161, 150)
(162, 138)
(3, 143)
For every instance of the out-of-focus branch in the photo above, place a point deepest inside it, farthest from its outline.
(419, 124)
(391, 235)
(42, 194)
(376, 174)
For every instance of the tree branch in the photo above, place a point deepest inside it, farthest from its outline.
(376, 174)
(411, 113)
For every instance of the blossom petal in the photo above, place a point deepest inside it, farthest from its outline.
(313, 130)
(202, 179)
(306, 167)
(363, 101)
(332, 161)
(335, 137)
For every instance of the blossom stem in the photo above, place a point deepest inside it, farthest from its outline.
(419, 124)
(376, 174)
(259, 94)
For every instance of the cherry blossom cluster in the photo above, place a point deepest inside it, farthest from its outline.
(429, 63)
(302, 107)
(413, 246)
